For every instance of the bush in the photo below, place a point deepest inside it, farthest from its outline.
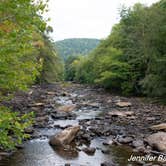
(12, 127)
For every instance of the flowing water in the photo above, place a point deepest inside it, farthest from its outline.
(38, 152)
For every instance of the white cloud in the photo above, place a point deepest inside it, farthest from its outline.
(86, 18)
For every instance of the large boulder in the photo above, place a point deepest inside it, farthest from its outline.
(65, 137)
(157, 141)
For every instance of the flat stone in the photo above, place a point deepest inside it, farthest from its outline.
(51, 93)
(161, 126)
(37, 104)
(150, 118)
(121, 113)
(67, 108)
(4, 154)
(109, 101)
(109, 142)
(137, 143)
(42, 119)
(123, 104)
(93, 105)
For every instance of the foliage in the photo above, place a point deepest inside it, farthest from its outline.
(70, 68)
(53, 68)
(12, 127)
(17, 27)
(26, 54)
(111, 72)
(132, 59)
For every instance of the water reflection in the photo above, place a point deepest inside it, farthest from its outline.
(67, 152)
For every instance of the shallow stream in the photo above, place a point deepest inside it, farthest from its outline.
(38, 152)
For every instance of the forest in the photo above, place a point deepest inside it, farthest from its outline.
(132, 59)
(130, 62)
(75, 47)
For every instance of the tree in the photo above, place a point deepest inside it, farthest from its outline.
(25, 53)
(18, 25)
(133, 57)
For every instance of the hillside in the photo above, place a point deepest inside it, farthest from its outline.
(75, 46)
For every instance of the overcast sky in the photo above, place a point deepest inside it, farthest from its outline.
(86, 18)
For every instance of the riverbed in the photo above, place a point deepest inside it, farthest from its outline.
(93, 106)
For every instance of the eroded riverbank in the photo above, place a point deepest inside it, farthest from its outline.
(114, 131)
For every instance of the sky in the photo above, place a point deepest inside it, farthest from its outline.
(86, 18)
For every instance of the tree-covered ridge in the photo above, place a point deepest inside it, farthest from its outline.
(76, 46)
(132, 59)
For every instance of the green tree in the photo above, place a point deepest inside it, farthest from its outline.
(25, 53)
(133, 57)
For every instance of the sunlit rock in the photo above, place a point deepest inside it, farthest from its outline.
(65, 137)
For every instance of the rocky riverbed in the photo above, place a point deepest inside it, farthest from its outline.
(111, 128)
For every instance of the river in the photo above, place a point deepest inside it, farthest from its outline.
(38, 152)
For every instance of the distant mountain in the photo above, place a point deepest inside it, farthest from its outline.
(75, 46)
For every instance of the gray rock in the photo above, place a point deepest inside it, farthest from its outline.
(161, 126)
(137, 143)
(42, 119)
(123, 104)
(121, 113)
(109, 142)
(89, 150)
(67, 108)
(4, 154)
(63, 115)
(125, 140)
